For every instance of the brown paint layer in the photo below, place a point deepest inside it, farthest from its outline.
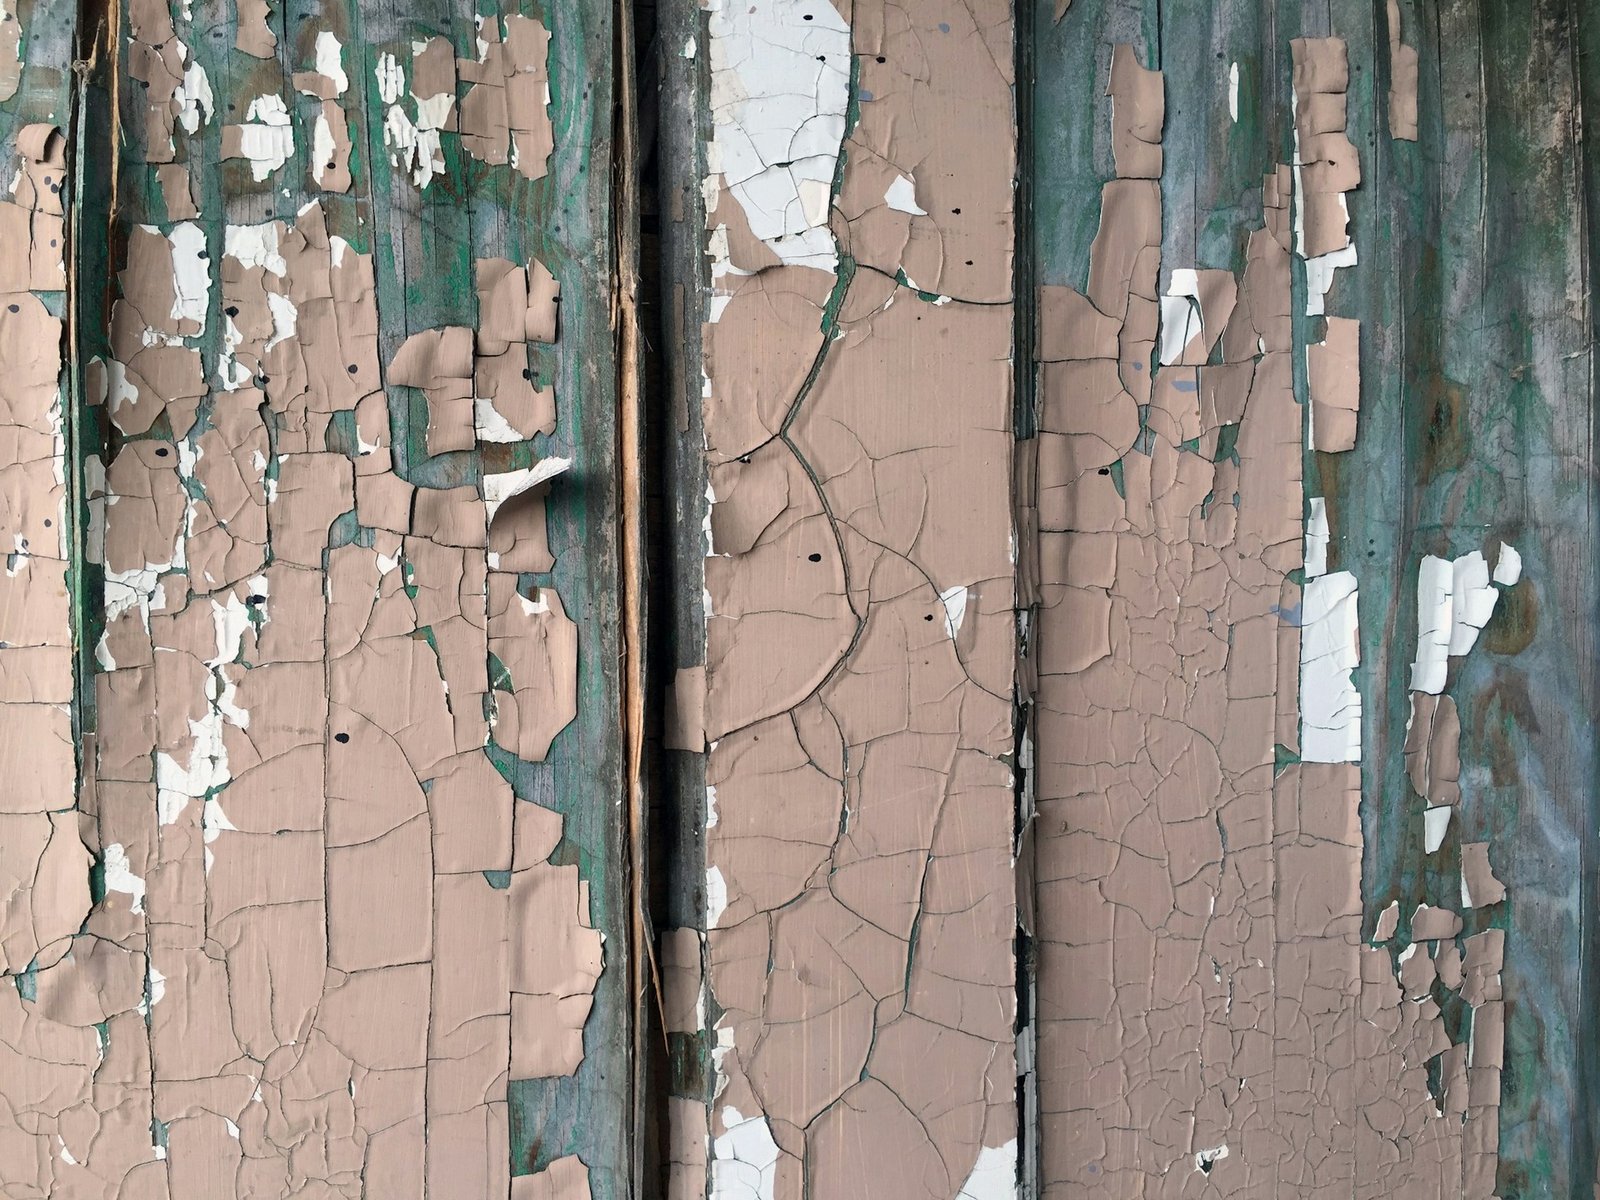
(860, 637)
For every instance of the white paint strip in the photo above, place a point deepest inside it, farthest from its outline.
(1435, 585)
(780, 86)
(716, 896)
(1181, 319)
(1319, 275)
(1317, 537)
(267, 136)
(191, 273)
(119, 876)
(1330, 705)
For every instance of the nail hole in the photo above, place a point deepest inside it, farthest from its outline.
(352, 368)
(814, 557)
(881, 58)
(231, 310)
(929, 617)
(256, 600)
(341, 738)
(161, 452)
(13, 308)
(1105, 470)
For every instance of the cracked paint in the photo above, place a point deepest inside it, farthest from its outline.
(859, 597)
(1209, 1020)
(293, 933)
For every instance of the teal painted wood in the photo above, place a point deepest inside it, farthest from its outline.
(1476, 410)
(1476, 425)
(424, 244)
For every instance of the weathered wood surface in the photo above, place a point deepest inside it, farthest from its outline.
(1476, 425)
(423, 244)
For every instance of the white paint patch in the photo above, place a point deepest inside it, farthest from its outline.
(119, 876)
(1472, 601)
(1390, 914)
(322, 148)
(284, 318)
(1205, 1158)
(255, 246)
(267, 136)
(1319, 275)
(195, 101)
(1317, 537)
(716, 896)
(689, 48)
(1435, 824)
(1233, 92)
(506, 485)
(780, 86)
(330, 62)
(745, 1159)
(488, 424)
(1507, 566)
(994, 1174)
(902, 197)
(955, 609)
(1330, 705)
(1435, 585)
(191, 273)
(391, 78)
(1181, 319)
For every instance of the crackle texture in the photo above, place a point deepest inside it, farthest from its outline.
(297, 651)
(1212, 1018)
(860, 635)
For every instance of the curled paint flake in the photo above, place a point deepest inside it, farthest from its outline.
(330, 61)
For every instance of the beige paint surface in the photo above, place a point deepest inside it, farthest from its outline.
(1210, 1019)
(330, 934)
(860, 631)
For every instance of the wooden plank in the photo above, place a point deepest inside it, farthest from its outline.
(1476, 411)
(388, 1125)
